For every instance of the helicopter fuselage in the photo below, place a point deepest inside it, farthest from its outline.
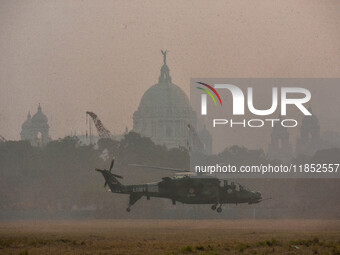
(192, 190)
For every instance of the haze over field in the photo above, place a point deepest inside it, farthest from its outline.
(78, 56)
(74, 56)
(171, 237)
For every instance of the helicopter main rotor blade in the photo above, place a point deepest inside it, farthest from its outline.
(160, 168)
(112, 163)
(118, 176)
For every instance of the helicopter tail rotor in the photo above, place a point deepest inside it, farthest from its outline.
(109, 176)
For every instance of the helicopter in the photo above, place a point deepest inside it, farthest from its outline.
(185, 187)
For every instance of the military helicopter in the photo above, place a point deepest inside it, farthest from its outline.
(185, 187)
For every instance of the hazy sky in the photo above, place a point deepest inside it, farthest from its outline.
(74, 56)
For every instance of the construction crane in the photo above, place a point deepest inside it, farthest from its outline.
(102, 131)
(2, 139)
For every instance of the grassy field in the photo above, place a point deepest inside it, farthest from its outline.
(170, 237)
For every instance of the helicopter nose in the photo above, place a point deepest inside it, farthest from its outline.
(255, 198)
(258, 195)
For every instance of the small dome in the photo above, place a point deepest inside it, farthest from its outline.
(35, 129)
(28, 122)
(39, 119)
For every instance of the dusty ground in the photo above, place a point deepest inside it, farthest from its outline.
(170, 237)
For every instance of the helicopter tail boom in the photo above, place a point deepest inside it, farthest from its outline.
(112, 180)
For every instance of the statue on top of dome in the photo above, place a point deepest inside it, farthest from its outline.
(164, 52)
(165, 74)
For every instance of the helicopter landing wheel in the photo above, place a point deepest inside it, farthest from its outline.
(128, 209)
(213, 207)
(219, 210)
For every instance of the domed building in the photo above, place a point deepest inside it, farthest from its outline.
(164, 112)
(35, 129)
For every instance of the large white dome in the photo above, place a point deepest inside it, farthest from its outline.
(164, 99)
(164, 112)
